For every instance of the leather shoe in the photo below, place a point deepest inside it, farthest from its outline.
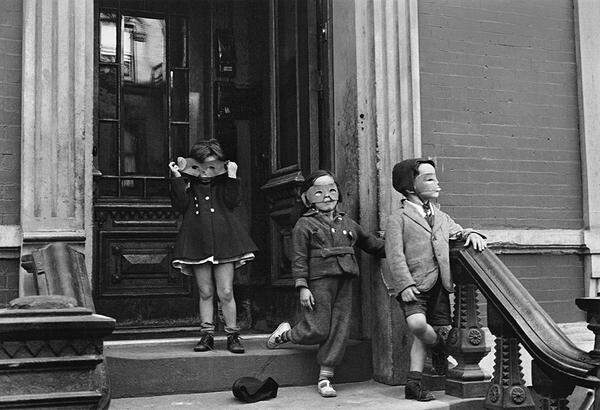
(414, 391)
(206, 343)
(234, 344)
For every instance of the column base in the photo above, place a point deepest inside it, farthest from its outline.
(467, 389)
(434, 382)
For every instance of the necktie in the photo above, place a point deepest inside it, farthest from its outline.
(428, 213)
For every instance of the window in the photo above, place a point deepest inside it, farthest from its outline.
(143, 95)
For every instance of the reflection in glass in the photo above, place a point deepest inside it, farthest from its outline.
(286, 82)
(107, 92)
(179, 95)
(143, 98)
(107, 146)
(108, 37)
(178, 39)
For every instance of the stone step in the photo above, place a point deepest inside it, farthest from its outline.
(361, 395)
(170, 366)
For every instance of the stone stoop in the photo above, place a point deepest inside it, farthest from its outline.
(360, 395)
(170, 366)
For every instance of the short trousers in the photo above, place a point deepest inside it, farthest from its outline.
(434, 304)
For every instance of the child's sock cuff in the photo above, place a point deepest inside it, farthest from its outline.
(326, 372)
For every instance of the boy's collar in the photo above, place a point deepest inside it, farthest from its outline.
(313, 212)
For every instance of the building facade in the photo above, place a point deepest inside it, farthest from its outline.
(98, 96)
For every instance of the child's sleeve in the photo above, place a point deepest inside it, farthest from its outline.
(397, 277)
(300, 254)
(232, 192)
(179, 196)
(370, 243)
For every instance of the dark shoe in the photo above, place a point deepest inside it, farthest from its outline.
(414, 391)
(206, 343)
(234, 344)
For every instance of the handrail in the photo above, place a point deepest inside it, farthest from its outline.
(538, 333)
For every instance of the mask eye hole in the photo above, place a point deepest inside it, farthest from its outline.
(194, 166)
(318, 193)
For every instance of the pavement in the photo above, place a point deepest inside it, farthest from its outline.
(362, 395)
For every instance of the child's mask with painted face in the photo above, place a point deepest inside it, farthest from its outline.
(323, 194)
(207, 169)
(426, 183)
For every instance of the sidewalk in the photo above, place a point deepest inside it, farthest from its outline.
(363, 395)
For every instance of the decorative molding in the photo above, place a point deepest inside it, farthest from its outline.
(10, 236)
(57, 117)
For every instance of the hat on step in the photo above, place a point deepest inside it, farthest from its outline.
(251, 389)
(404, 172)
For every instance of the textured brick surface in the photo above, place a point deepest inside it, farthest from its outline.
(553, 280)
(499, 110)
(9, 280)
(11, 26)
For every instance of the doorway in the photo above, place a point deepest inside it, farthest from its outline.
(252, 74)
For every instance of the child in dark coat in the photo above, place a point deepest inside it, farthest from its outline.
(212, 240)
(324, 266)
(417, 249)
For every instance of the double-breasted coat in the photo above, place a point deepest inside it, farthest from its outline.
(210, 227)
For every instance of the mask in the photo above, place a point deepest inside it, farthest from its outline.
(197, 169)
(322, 193)
(427, 186)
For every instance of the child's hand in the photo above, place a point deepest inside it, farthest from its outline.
(477, 241)
(174, 169)
(232, 168)
(306, 299)
(410, 294)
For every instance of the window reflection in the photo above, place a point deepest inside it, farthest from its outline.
(108, 37)
(143, 126)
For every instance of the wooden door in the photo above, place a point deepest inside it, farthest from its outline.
(299, 138)
(142, 111)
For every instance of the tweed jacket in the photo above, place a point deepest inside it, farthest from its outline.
(323, 247)
(417, 253)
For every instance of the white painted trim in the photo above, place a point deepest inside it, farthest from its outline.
(10, 236)
(535, 237)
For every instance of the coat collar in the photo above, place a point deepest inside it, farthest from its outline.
(314, 212)
(413, 214)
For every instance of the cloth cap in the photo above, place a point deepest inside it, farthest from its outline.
(403, 174)
(251, 389)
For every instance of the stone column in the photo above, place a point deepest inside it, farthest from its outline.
(57, 123)
(388, 130)
(587, 13)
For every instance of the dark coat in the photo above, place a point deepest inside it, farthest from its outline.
(326, 248)
(210, 226)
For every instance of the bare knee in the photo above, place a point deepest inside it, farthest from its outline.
(417, 324)
(225, 294)
(206, 292)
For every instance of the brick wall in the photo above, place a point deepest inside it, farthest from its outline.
(11, 26)
(553, 280)
(499, 110)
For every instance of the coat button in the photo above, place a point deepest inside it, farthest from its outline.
(345, 232)
(197, 212)
(207, 198)
(333, 230)
(212, 209)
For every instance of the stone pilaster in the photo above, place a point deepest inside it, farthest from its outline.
(587, 13)
(388, 130)
(57, 123)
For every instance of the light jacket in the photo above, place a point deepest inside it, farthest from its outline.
(416, 253)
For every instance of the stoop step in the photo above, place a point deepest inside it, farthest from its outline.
(140, 368)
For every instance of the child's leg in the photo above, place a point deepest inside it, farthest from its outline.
(224, 281)
(314, 327)
(425, 336)
(205, 285)
(332, 351)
